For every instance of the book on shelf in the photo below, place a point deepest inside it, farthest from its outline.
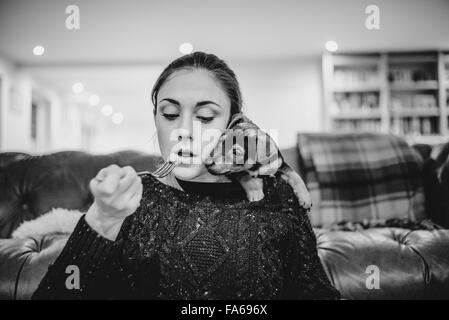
(348, 77)
(414, 126)
(365, 102)
(358, 125)
(411, 75)
(420, 103)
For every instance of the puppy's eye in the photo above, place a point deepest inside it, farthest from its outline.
(237, 151)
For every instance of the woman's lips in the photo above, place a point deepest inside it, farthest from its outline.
(186, 157)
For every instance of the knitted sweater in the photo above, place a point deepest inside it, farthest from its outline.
(203, 242)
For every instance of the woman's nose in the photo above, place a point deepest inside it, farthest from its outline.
(182, 136)
(186, 129)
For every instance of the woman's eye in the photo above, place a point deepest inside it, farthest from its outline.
(170, 116)
(205, 119)
(173, 116)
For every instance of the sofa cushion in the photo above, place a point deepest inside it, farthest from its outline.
(363, 176)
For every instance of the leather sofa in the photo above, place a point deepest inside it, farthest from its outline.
(409, 264)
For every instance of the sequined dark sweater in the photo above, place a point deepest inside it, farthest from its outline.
(206, 242)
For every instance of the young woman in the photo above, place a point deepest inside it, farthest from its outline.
(190, 235)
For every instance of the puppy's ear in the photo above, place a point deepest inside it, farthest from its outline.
(236, 119)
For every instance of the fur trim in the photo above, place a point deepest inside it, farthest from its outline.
(57, 220)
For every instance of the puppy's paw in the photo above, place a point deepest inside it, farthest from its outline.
(306, 204)
(305, 200)
(255, 195)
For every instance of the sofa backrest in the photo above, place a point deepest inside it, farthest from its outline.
(32, 185)
(9, 157)
(361, 177)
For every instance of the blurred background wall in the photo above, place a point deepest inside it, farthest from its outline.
(274, 47)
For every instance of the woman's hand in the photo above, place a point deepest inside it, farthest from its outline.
(117, 192)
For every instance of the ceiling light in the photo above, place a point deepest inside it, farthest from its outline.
(77, 87)
(94, 100)
(186, 48)
(117, 118)
(107, 110)
(331, 46)
(38, 50)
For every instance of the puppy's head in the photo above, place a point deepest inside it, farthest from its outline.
(236, 148)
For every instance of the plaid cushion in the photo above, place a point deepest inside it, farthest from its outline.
(361, 177)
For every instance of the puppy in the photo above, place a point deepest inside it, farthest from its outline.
(244, 152)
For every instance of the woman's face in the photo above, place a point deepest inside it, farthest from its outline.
(192, 111)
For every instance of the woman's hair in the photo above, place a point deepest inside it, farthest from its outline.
(211, 63)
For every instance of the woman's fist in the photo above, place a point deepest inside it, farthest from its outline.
(117, 192)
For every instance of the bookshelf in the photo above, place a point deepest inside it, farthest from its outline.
(404, 93)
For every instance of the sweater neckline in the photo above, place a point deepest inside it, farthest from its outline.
(195, 189)
(217, 189)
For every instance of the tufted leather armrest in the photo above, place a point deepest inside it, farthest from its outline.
(411, 264)
(24, 262)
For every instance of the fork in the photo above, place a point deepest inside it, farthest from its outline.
(162, 171)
